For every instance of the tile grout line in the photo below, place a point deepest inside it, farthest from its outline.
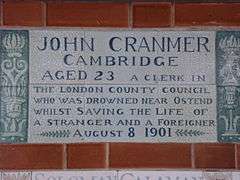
(192, 156)
(65, 156)
(173, 13)
(44, 17)
(130, 15)
(1, 12)
(107, 156)
(236, 156)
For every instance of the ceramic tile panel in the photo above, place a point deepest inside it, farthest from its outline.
(120, 175)
(88, 85)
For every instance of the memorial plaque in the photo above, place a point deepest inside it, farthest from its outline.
(217, 176)
(160, 175)
(60, 175)
(85, 85)
(119, 175)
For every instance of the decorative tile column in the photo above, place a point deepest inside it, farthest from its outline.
(228, 82)
(14, 85)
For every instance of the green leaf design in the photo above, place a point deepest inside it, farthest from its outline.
(55, 134)
(187, 132)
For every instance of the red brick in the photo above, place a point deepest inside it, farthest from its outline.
(23, 13)
(151, 14)
(196, 14)
(139, 155)
(31, 156)
(87, 14)
(214, 156)
(90, 155)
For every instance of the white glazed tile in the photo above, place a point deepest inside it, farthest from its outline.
(159, 175)
(21, 175)
(221, 175)
(74, 175)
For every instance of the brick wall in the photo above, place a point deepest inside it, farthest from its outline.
(124, 14)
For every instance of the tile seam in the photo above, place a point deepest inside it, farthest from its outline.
(65, 163)
(44, 15)
(236, 156)
(107, 156)
(172, 14)
(1, 14)
(193, 156)
(130, 14)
